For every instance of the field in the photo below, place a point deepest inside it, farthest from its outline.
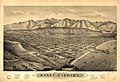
(56, 51)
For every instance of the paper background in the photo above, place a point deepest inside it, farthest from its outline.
(110, 76)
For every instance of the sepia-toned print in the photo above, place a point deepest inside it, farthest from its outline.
(60, 38)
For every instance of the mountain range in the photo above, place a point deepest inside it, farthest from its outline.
(64, 23)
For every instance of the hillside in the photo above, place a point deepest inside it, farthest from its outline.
(104, 58)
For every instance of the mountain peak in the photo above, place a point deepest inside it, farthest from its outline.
(66, 22)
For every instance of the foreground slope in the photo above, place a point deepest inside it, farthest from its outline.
(98, 60)
(18, 58)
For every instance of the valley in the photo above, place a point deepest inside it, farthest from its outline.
(61, 45)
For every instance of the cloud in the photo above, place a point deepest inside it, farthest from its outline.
(17, 12)
(88, 13)
(60, 12)
(72, 10)
(95, 14)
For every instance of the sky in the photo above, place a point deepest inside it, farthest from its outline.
(14, 14)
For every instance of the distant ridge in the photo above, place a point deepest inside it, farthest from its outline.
(68, 23)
